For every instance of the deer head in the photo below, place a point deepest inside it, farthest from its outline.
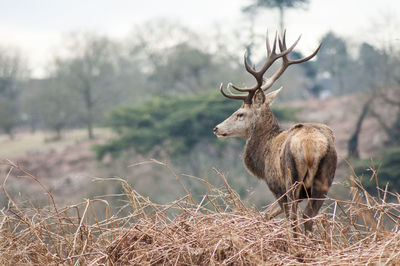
(255, 106)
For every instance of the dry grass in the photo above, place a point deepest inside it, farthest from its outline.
(217, 229)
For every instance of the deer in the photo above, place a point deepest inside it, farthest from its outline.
(298, 163)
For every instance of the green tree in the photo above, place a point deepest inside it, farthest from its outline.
(281, 5)
(174, 125)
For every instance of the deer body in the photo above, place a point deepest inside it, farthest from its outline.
(298, 163)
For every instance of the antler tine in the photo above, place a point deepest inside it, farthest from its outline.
(282, 44)
(285, 60)
(291, 47)
(283, 41)
(230, 95)
(272, 56)
(240, 89)
(247, 98)
(246, 65)
(307, 57)
(228, 88)
(274, 44)
(268, 46)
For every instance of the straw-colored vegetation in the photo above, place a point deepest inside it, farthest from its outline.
(216, 229)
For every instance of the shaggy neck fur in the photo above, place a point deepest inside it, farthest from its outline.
(258, 145)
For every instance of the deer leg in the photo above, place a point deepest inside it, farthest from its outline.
(291, 205)
(322, 181)
(274, 212)
(292, 172)
(313, 206)
(293, 209)
(284, 204)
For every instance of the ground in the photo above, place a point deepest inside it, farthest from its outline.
(65, 166)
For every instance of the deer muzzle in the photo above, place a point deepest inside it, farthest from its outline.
(218, 133)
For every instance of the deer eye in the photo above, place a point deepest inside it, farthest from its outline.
(240, 115)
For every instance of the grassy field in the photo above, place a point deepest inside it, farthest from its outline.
(40, 141)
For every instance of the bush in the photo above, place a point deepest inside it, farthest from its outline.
(388, 167)
(174, 124)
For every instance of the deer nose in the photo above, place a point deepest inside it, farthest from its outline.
(215, 129)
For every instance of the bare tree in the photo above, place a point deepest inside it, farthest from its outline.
(88, 70)
(48, 103)
(388, 93)
(392, 130)
(12, 70)
(380, 70)
(352, 146)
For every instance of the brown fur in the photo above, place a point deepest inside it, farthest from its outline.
(304, 153)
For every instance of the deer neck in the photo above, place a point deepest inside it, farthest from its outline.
(259, 145)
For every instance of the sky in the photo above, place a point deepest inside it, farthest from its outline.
(37, 27)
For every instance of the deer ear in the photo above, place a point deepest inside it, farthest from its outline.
(270, 97)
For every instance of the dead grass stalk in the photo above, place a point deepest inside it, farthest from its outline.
(217, 229)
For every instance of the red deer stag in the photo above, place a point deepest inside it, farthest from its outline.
(298, 163)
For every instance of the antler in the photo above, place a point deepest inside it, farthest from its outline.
(286, 62)
(272, 56)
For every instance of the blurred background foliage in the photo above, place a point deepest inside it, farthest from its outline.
(387, 168)
(95, 75)
(173, 124)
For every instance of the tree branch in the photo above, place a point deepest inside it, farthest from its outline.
(386, 99)
(352, 147)
(385, 127)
